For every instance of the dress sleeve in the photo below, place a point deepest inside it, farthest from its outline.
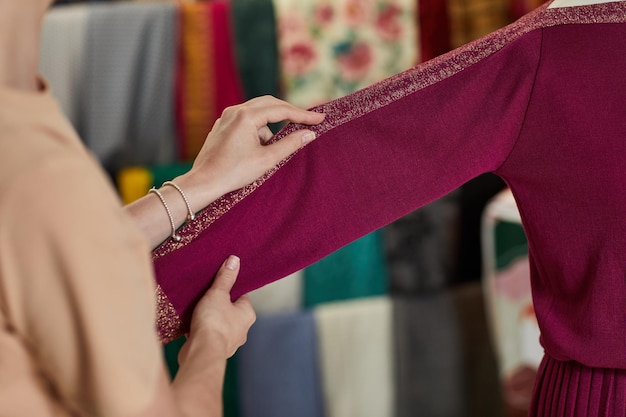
(381, 153)
(79, 289)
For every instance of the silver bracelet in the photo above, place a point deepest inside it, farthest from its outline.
(190, 213)
(174, 236)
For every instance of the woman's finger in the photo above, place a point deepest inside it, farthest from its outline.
(265, 134)
(280, 112)
(227, 274)
(289, 144)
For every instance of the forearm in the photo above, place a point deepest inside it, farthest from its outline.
(198, 388)
(194, 394)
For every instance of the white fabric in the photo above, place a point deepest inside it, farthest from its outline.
(284, 295)
(61, 55)
(356, 357)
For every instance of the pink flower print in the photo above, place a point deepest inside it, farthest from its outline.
(388, 23)
(323, 14)
(513, 282)
(298, 58)
(291, 24)
(356, 12)
(354, 60)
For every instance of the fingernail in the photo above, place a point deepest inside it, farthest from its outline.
(308, 137)
(232, 263)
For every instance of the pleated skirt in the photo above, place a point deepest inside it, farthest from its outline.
(569, 389)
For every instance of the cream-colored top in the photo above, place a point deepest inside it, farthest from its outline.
(77, 316)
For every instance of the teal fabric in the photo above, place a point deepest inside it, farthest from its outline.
(354, 271)
(230, 394)
(231, 388)
(162, 173)
(256, 46)
(511, 243)
(170, 351)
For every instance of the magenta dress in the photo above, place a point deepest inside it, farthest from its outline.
(541, 103)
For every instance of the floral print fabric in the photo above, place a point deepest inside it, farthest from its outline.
(331, 48)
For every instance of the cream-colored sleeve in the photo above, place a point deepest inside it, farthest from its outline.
(78, 287)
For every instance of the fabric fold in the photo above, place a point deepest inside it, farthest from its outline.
(578, 390)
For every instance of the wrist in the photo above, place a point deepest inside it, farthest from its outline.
(200, 190)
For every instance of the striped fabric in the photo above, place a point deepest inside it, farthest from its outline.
(127, 84)
(569, 389)
(195, 79)
(207, 77)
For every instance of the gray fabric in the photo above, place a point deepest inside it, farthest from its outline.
(429, 357)
(421, 247)
(129, 84)
(61, 55)
(481, 380)
(445, 363)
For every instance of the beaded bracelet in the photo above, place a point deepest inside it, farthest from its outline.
(174, 236)
(190, 214)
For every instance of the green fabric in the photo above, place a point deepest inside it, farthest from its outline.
(230, 396)
(231, 400)
(511, 243)
(171, 355)
(162, 173)
(354, 271)
(256, 46)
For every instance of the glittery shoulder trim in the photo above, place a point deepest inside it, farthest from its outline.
(364, 101)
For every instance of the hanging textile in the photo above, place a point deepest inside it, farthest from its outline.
(282, 296)
(256, 46)
(278, 370)
(420, 247)
(354, 271)
(207, 78)
(356, 357)
(470, 20)
(434, 28)
(428, 356)
(331, 48)
(228, 90)
(61, 55)
(195, 109)
(127, 84)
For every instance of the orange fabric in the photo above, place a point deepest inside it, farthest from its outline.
(196, 85)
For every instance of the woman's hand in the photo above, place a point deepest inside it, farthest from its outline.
(217, 323)
(218, 327)
(235, 153)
